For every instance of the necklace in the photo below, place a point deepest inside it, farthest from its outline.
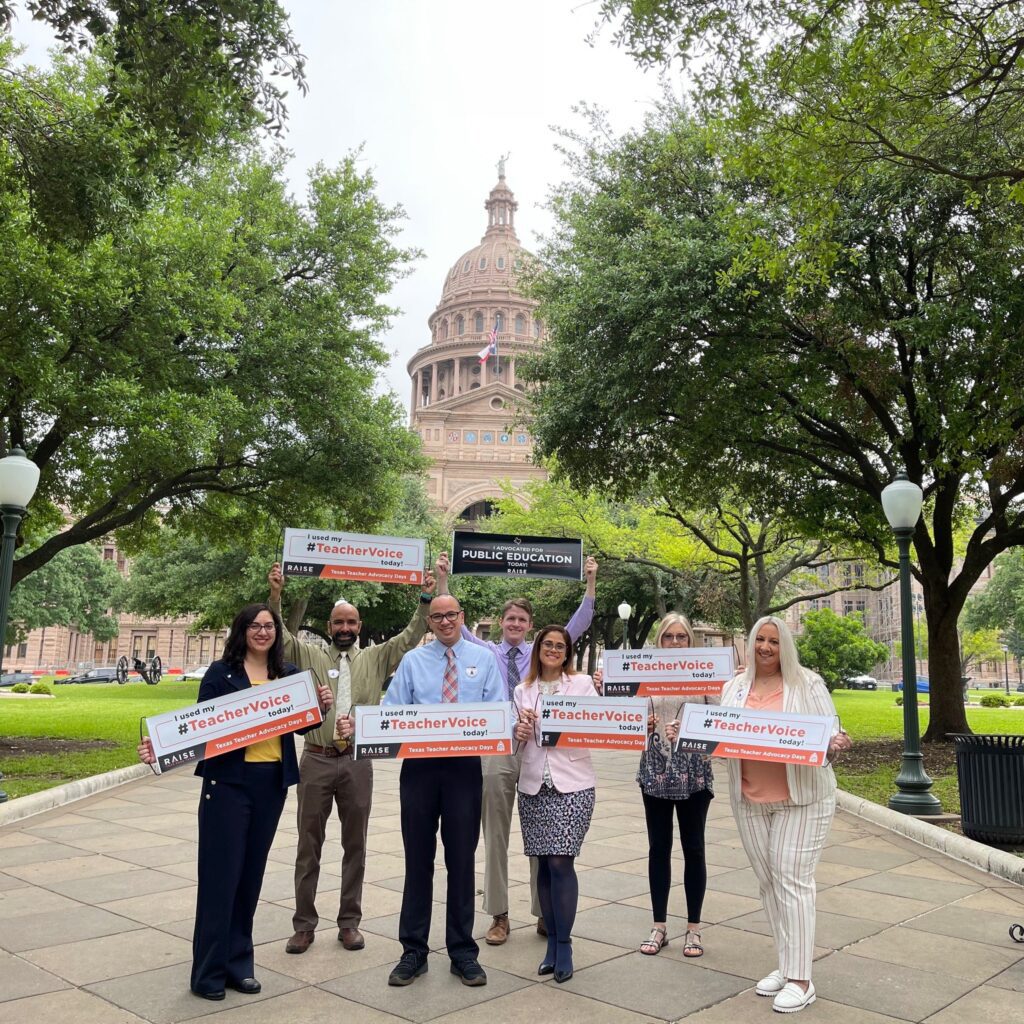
(548, 686)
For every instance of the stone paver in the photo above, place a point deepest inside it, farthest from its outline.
(96, 904)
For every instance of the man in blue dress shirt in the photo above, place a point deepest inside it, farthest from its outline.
(445, 790)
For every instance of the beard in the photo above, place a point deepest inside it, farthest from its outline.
(343, 641)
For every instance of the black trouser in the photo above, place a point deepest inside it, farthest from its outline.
(237, 824)
(445, 790)
(692, 814)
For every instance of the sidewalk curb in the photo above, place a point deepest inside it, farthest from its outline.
(58, 796)
(978, 855)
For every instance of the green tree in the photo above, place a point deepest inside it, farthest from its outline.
(837, 646)
(209, 362)
(677, 364)
(77, 589)
(184, 575)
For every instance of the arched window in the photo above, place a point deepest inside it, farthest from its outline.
(460, 325)
(520, 323)
(444, 329)
(501, 262)
(478, 323)
(483, 262)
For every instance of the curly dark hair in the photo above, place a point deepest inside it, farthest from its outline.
(534, 670)
(236, 646)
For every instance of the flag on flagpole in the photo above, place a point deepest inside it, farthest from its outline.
(491, 348)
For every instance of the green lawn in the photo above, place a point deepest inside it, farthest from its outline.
(79, 715)
(872, 717)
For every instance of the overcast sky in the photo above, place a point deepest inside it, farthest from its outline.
(435, 91)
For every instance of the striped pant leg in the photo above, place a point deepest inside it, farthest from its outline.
(754, 823)
(797, 836)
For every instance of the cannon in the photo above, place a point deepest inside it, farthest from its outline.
(151, 671)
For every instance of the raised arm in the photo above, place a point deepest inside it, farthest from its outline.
(584, 615)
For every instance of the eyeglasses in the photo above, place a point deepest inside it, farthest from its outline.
(438, 617)
(547, 645)
(675, 638)
(262, 627)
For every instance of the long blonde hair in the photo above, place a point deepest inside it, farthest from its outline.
(674, 619)
(793, 673)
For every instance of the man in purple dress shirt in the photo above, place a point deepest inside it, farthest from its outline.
(501, 773)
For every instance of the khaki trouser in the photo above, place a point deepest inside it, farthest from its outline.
(324, 782)
(501, 773)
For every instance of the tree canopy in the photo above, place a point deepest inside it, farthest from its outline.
(837, 646)
(208, 360)
(675, 359)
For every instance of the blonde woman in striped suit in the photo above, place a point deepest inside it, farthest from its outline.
(783, 812)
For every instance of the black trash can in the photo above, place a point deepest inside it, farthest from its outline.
(990, 772)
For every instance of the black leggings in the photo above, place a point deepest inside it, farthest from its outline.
(692, 814)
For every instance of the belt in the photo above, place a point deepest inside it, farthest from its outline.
(329, 751)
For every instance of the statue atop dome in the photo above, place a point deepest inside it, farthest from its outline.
(501, 165)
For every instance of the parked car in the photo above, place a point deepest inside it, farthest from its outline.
(862, 683)
(10, 678)
(196, 673)
(93, 675)
(922, 685)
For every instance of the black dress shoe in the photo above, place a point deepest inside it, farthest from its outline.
(546, 967)
(561, 976)
(407, 970)
(247, 986)
(469, 971)
(219, 994)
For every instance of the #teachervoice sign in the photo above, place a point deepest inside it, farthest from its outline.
(433, 730)
(668, 672)
(594, 723)
(353, 556)
(233, 720)
(756, 735)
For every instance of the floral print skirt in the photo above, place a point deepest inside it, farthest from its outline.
(554, 824)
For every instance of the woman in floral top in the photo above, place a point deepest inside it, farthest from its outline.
(679, 785)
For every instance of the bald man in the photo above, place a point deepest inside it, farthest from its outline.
(328, 774)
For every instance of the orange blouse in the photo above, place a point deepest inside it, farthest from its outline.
(764, 782)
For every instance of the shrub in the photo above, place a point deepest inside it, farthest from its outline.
(19, 688)
(899, 701)
(41, 687)
(994, 700)
(1018, 702)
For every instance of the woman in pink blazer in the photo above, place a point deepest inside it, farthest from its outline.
(556, 795)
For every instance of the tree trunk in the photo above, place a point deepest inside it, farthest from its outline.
(945, 698)
(296, 613)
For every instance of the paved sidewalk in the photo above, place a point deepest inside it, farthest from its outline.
(96, 905)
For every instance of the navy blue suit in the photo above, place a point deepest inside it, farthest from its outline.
(239, 810)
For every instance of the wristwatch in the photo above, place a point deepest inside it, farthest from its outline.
(426, 598)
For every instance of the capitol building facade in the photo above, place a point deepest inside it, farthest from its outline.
(468, 411)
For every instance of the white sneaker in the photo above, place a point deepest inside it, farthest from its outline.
(772, 985)
(793, 998)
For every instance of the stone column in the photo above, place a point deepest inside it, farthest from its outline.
(457, 384)
(433, 383)
(415, 393)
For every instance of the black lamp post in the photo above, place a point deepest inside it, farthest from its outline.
(901, 501)
(19, 478)
(1006, 669)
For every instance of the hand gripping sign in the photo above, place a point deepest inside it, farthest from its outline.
(233, 720)
(667, 672)
(433, 730)
(755, 735)
(595, 723)
(353, 556)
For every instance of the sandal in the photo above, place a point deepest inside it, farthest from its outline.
(653, 945)
(693, 947)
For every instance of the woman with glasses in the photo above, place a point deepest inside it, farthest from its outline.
(678, 785)
(783, 811)
(242, 798)
(556, 794)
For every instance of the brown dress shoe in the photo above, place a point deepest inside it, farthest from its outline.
(497, 934)
(351, 938)
(300, 942)
(541, 929)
